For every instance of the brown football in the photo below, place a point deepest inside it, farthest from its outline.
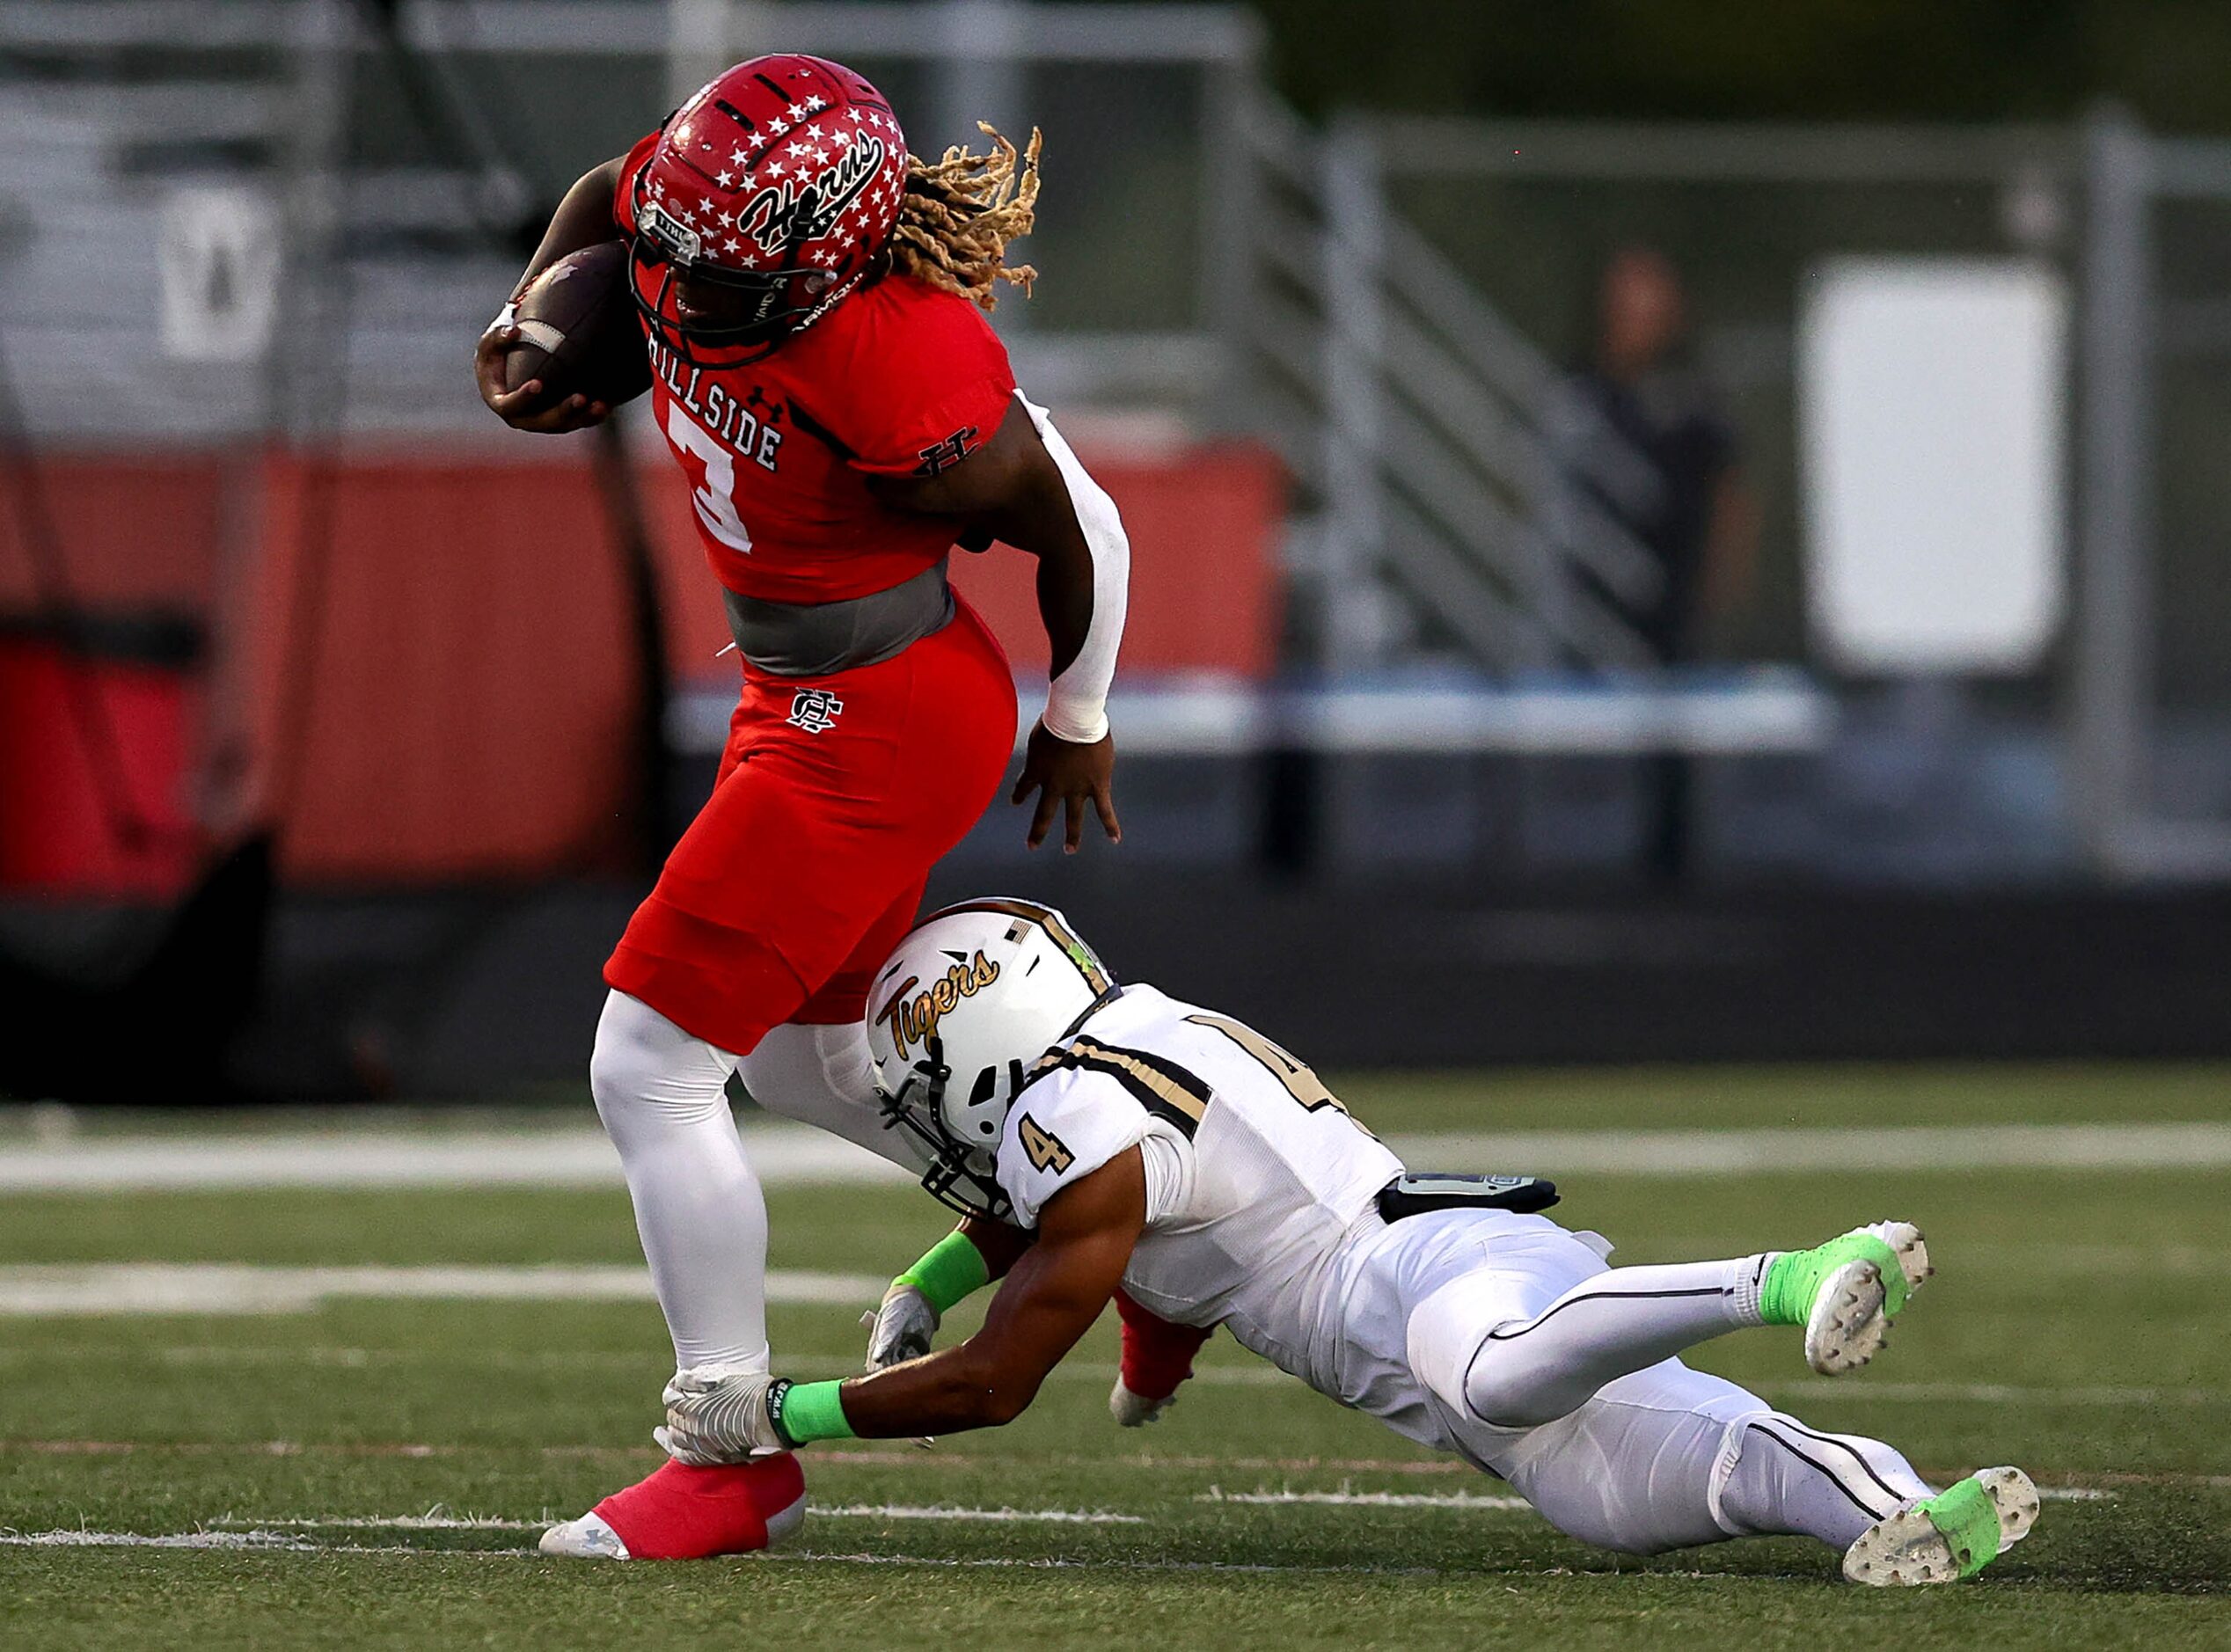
(578, 334)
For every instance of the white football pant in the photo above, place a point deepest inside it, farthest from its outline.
(1555, 1370)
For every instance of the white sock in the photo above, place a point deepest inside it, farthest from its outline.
(703, 1220)
(1623, 1320)
(1668, 1457)
(1792, 1478)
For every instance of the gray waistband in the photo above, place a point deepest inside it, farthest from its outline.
(815, 638)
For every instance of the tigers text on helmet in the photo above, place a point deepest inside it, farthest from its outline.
(957, 1017)
(767, 198)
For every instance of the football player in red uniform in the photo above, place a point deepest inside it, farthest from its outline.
(811, 297)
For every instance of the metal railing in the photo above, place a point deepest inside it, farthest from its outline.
(270, 97)
(1438, 442)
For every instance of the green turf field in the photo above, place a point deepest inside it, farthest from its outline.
(369, 1472)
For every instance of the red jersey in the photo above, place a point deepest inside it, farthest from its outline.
(897, 379)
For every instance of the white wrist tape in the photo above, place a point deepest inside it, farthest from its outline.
(1077, 700)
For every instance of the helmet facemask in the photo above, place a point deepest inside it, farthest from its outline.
(963, 1175)
(959, 1017)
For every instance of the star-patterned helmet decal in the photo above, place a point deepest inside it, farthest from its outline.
(806, 181)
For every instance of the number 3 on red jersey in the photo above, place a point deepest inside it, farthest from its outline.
(715, 501)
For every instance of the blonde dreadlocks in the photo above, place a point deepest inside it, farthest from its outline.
(959, 212)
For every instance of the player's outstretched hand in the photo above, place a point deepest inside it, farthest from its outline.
(1067, 776)
(901, 1329)
(516, 408)
(1135, 1411)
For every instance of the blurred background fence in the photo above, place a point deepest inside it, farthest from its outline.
(1778, 684)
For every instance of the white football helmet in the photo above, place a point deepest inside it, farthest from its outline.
(956, 1018)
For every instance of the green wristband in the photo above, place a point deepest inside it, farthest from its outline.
(949, 1271)
(810, 1412)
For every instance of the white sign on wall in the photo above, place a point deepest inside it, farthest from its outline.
(218, 260)
(1932, 401)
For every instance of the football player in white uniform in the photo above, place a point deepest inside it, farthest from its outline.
(1106, 1137)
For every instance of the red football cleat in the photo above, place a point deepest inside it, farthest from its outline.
(682, 1513)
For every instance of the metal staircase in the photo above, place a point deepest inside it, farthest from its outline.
(1436, 445)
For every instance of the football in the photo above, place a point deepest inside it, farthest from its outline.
(578, 331)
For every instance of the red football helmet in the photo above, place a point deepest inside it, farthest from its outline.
(766, 200)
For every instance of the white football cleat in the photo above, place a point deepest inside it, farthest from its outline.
(587, 1539)
(1845, 1292)
(1943, 1538)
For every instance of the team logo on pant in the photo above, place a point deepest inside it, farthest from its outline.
(814, 710)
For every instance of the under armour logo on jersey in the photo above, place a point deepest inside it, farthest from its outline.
(947, 453)
(814, 710)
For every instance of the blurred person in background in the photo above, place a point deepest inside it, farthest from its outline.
(1692, 513)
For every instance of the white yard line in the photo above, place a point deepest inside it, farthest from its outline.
(1707, 1152)
(280, 1542)
(161, 1540)
(116, 1288)
(133, 1287)
(784, 1154)
(1252, 1376)
(291, 1542)
(290, 1535)
(935, 1512)
(1368, 1499)
(1997, 1394)
(1496, 1505)
(392, 1523)
(789, 1154)
(819, 1511)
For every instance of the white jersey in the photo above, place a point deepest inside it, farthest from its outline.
(1260, 1193)
(1262, 1216)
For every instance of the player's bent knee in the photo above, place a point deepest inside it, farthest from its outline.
(643, 1066)
(1509, 1382)
(800, 1069)
(1633, 1478)
(1454, 1356)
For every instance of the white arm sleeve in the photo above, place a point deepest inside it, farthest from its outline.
(1076, 702)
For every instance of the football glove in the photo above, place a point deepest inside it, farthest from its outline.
(1157, 1357)
(901, 1328)
(716, 1414)
(1135, 1411)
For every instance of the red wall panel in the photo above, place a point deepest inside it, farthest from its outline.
(424, 665)
(1204, 587)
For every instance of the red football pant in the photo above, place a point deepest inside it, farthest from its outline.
(835, 796)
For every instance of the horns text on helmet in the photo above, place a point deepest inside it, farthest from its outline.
(801, 208)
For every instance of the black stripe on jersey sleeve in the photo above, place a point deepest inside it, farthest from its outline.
(1161, 1086)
